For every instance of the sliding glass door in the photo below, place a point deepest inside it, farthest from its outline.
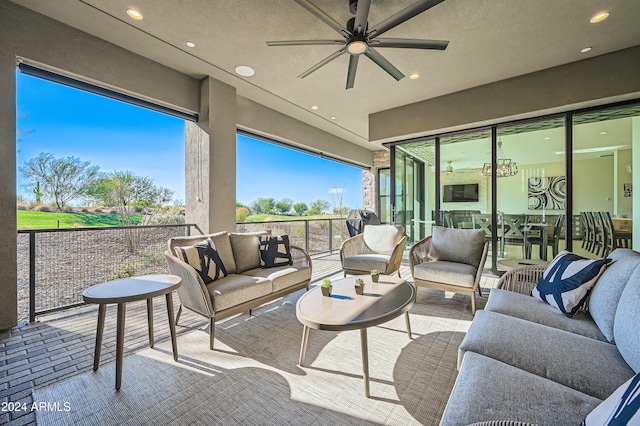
(410, 198)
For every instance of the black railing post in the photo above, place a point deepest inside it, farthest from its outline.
(32, 276)
(330, 236)
(306, 235)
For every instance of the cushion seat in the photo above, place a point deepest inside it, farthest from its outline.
(282, 276)
(366, 262)
(442, 271)
(531, 309)
(236, 289)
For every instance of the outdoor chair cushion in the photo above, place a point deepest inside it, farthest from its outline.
(366, 262)
(586, 365)
(235, 289)
(440, 271)
(531, 309)
(457, 245)
(567, 280)
(275, 251)
(281, 276)
(204, 258)
(382, 238)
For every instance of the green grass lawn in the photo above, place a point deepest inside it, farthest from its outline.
(41, 220)
(273, 217)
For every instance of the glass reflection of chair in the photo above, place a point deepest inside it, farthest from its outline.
(613, 238)
(553, 236)
(514, 228)
(462, 219)
(588, 237)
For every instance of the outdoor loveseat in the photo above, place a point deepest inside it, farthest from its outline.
(525, 361)
(242, 280)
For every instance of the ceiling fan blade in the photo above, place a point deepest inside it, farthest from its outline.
(303, 42)
(353, 66)
(323, 62)
(384, 64)
(324, 17)
(404, 15)
(362, 14)
(410, 43)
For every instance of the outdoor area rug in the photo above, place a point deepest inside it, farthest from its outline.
(252, 376)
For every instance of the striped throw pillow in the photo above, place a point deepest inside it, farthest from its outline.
(204, 258)
(621, 408)
(566, 282)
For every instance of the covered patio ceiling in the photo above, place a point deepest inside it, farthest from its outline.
(489, 41)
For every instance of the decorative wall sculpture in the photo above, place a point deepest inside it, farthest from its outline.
(547, 193)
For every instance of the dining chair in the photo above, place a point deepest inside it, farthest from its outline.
(553, 237)
(514, 228)
(599, 235)
(613, 238)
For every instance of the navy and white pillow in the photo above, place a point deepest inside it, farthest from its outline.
(566, 282)
(621, 408)
(275, 251)
(205, 259)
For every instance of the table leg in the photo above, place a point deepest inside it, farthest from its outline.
(119, 344)
(365, 361)
(150, 320)
(172, 326)
(406, 317)
(102, 309)
(303, 346)
(545, 241)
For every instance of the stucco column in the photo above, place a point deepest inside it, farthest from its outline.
(8, 240)
(211, 159)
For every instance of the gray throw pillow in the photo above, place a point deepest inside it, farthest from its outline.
(457, 245)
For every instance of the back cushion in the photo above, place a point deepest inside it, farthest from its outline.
(605, 296)
(246, 251)
(625, 326)
(457, 245)
(382, 238)
(219, 239)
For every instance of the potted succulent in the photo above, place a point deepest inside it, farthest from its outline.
(326, 287)
(375, 275)
(359, 286)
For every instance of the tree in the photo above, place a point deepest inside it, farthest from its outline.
(129, 193)
(38, 193)
(61, 179)
(319, 206)
(264, 205)
(300, 208)
(242, 213)
(284, 205)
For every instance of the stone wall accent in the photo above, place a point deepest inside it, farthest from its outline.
(381, 159)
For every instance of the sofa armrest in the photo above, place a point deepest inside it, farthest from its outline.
(193, 292)
(419, 253)
(396, 256)
(521, 280)
(353, 246)
(300, 258)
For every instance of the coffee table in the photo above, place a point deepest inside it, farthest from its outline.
(346, 310)
(129, 290)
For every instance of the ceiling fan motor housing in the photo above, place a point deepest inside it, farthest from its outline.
(353, 6)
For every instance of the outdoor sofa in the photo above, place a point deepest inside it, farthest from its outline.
(523, 360)
(245, 283)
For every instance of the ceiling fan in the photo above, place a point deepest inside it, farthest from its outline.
(359, 39)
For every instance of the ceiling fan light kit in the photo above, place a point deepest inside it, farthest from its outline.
(359, 39)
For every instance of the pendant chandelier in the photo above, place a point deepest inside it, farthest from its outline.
(505, 166)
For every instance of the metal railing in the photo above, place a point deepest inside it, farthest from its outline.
(56, 265)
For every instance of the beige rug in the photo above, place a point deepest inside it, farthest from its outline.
(253, 378)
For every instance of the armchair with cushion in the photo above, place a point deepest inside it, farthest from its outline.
(378, 247)
(450, 260)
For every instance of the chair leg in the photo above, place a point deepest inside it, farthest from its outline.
(211, 332)
(178, 315)
(473, 303)
(399, 276)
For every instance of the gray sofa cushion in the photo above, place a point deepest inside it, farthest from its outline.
(246, 251)
(586, 365)
(457, 245)
(604, 298)
(282, 276)
(235, 289)
(220, 240)
(440, 271)
(626, 327)
(531, 309)
(366, 262)
(487, 389)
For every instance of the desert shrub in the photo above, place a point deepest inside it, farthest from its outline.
(113, 211)
(84, 210)
(22, 206)
(124, 270)
(68, 209)
(97, 210)
(42, 208)
(242, 213)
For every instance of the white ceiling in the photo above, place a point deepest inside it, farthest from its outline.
(490, 40)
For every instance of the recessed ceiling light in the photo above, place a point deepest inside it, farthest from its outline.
(333, 117)
(586, 49)
(135, 14)
(599, 17)
(315, 107)
(414, 76)
(190, 44)
(603, 133)
(547, 138)
(245, 71)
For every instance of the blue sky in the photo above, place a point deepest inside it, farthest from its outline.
(117, 136)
